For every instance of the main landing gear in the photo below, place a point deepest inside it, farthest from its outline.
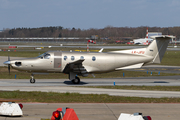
(32, 80)
(74, 78)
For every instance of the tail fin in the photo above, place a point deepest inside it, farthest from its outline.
(158, 47)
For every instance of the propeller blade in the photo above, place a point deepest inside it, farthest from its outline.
(9, 65)
(8, 58)
(9, 68)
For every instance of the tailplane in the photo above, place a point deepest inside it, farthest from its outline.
(158, 47)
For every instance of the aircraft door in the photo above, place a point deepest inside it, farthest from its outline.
(57, 60)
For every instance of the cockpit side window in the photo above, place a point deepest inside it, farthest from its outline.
(41, 56)
(47, 56)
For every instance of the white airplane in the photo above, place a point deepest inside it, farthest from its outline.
(143, 41)
(83, 63)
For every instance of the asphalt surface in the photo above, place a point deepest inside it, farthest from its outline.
(99, 111)
(64, 85)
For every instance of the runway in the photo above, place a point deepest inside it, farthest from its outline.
(64, 85)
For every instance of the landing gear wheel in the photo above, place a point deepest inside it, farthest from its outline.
(76, 80)
(32, 80)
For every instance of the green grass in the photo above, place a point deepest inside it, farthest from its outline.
(22, 53)
(132, 87)
(52, 97)
(171, 58)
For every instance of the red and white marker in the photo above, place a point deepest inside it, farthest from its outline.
(90, 41)
(147, 33)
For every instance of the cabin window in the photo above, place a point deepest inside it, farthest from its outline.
(65, 57)
(47, 56)
(82, 57)
(72, 58)
(93, 58)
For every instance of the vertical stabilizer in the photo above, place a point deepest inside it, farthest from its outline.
(158, 47)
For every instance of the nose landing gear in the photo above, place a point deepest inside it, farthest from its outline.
(32, 80)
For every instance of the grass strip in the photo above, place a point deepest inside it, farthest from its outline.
(52, 97)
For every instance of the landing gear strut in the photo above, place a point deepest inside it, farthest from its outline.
(32, 80)
(76, 80)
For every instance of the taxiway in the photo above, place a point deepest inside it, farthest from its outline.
(64, 85)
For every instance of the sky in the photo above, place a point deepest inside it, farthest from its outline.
(87, 14)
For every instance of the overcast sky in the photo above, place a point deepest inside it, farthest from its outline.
(87, 14)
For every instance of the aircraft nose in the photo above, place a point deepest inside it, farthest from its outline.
(7, 62)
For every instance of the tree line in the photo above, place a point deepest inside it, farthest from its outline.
(110, 32)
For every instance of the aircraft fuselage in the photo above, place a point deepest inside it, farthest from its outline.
(56, 61)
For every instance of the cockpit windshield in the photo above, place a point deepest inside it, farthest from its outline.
(45, 56)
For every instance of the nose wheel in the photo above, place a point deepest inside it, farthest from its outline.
(32, 80)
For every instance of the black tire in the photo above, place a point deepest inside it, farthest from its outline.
(32, 80)
(76, 80)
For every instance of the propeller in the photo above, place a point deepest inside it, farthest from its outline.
(8, 63)
(9, 66)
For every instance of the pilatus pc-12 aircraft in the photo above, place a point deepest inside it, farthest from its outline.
(83, 63)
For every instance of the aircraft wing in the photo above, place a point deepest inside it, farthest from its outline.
(76, 67)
